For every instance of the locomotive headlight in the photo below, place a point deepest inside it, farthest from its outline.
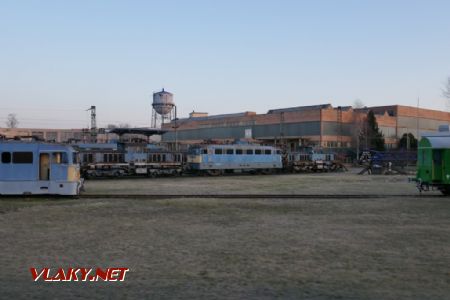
(73, 173)
(194, 159)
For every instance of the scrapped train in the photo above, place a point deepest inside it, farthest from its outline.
(219, 159)
(37, 168)
(433, 163)
(141, 159)
(128, 159)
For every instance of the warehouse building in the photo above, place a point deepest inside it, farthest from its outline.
(318, 125)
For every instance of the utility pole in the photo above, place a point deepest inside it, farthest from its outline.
(281, 129)
(339, 120)
(175, 129)
(418, 120)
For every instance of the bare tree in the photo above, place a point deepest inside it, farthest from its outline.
(12, 121)
(358, 103)
(446, 89)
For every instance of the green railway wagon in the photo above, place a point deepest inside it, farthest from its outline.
(433, 163)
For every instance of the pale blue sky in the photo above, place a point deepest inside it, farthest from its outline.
(59, 57)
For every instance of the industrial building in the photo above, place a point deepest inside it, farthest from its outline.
(318, 125)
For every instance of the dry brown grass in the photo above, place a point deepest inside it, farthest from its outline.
(231, 249)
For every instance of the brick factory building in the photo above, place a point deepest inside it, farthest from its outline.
(318, 125)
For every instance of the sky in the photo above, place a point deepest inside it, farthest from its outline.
(57, 58)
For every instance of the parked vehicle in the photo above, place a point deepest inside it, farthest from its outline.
(128, 159)
(36, 168)
(215, 159)
(433, 163)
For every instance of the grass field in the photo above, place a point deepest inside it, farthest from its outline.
(318, 183)
(389, 248)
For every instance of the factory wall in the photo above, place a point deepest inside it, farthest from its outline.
(268, 131)
(321, 125)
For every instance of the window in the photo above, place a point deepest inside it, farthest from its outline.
(205, 151)
(230, 151)
(267, 152)
(163, 157)
(258, 151)
(90, 158)
(218, 151)
(6, 157)
(239, 151)
(22, 157)
(59, 158)
(249, 151)
(278, 151)
(105, 158)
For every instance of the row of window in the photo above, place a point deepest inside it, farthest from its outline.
(17, 157)
(22, 157)
(162, 158)
(119, 158)
(220, 151)
(107, 158)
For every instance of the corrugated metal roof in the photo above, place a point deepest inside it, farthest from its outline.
(299, 108)
(214, 117)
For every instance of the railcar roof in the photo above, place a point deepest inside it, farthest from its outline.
(235, 146)
(438, 142)
(28, 144)
(83, 146)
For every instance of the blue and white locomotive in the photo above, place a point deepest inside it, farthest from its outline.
(217, 159)
(36, 168)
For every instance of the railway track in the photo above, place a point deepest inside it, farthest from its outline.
(252, 196)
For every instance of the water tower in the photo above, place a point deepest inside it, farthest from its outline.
(164, 109)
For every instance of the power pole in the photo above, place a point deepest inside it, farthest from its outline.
(281, 129)
(339, 120)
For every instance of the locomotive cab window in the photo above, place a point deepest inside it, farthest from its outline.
(59, 158)
(22, 157)
(6, 157)
(75, 158)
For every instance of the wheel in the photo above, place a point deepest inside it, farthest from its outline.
(214, 172)
(445, 191)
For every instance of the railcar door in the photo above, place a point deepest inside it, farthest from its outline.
(437, 165)
(44, 166)
(59, 165)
